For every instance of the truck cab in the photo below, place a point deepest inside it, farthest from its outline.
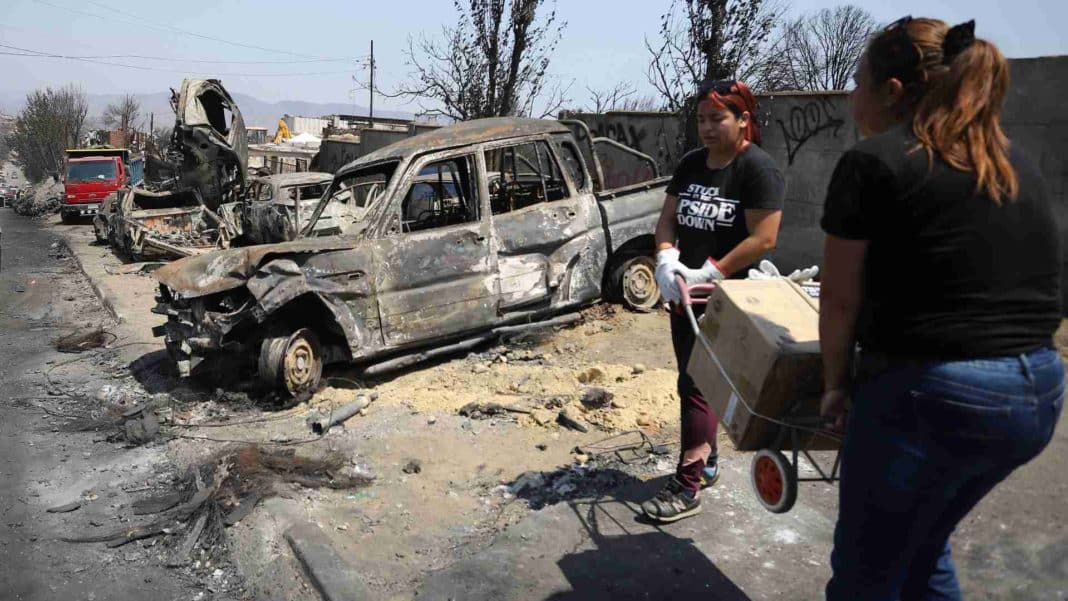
(92, 175)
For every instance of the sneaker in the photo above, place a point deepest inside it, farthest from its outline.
(672, 503)
(709, 475)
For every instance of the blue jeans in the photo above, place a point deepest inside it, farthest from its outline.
(925, 442)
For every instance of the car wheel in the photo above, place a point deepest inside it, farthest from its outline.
(633, 283)
(292, 364)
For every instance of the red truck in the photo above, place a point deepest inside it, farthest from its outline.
(92, 175)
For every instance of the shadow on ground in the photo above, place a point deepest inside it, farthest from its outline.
(628, 564)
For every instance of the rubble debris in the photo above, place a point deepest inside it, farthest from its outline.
(340, 415)
(541, 489)
(592, 375)
(531, 480)
(150, 505)
(209, 495)
(569, 421)
(626, 447)
(41, 199)
(141, 426)
(243, 509)
(638, 369)
(542, 417)
(596, 397)
(83, 340)
(69, 507)
(414, 466)
(476, 410)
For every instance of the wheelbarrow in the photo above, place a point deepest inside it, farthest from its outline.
(773, 473)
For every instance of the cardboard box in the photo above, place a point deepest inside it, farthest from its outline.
(766, 335)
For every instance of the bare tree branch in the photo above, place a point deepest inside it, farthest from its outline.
(123, 116)
(821, 50)
(493, 62)
(702, 40)
(51, 121)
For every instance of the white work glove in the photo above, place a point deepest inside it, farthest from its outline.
(709, 272)
(803, 275)
(768, 271)
(667, 265)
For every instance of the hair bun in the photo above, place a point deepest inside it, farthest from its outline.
(957, 40)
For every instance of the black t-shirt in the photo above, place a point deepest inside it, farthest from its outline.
(949, 273)
(710, 213)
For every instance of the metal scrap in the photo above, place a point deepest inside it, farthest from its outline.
(173, 213)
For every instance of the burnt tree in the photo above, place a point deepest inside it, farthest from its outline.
(820, 51)
(51, 121)
(620, 97)
(124, 116)
(493, 62)
(702, 40)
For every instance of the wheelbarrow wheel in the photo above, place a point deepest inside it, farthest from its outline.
(774, 480)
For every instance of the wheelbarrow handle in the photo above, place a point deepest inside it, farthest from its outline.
(696, 294)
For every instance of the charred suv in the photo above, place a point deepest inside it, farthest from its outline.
(439, 241)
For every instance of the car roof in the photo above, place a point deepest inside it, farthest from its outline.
(295, 179)
(460, 134)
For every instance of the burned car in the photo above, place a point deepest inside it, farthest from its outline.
(276, 207)
(174, 213)
(145, 225)
(445, 240)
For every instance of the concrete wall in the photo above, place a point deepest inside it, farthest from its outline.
(806, 133)
(335, 153)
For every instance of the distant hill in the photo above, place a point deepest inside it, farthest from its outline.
(255, 111)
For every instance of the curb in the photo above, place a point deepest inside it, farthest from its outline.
(102, 291)
(333, 577)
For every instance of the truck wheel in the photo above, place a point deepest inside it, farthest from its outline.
(68, 218)
(634, 283)
(292, 365)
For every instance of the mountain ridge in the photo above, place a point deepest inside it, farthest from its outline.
(256, 112)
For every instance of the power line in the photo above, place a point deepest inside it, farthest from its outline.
(39, 54)
(171, 29)
(361, 59)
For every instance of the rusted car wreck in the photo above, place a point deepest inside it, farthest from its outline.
(174, 214)
(276, 207)
(444, 240)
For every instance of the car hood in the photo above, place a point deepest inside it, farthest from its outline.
(223, 270)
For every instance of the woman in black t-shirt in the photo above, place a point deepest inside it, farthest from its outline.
(943, 261)
(721, 214)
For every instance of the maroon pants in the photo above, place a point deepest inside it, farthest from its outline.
(698, 420)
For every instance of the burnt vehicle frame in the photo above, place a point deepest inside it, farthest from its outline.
(175, 212)
(388, 288)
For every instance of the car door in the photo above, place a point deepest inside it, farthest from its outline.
(435, 275)
(546, 231)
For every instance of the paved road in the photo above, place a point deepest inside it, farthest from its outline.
(42, 296)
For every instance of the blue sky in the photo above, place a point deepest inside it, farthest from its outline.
(602, 44)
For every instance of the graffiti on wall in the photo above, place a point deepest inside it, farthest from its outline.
(655, 135)
(806, 121)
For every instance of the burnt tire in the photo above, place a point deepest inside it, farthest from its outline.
(774, 480)
(291, 365)
(632, 283)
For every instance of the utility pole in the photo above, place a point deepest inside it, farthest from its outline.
(371, 91)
